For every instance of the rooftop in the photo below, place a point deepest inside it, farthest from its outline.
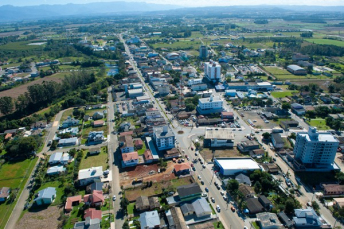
(181, 167)
(211, 99)
(219, 134)
(237, 163)
(130, 156)
(267, 219)
(186, 190)
(149, 219)
(90, 172)
(163, 132)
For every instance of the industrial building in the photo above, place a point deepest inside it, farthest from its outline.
(232, 166)
(245, 86)
(296, 70)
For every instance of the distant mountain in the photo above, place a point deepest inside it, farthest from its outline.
(18, 13)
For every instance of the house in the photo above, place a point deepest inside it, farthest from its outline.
(98, 123)
(97, 185)
(70, 122)
(182, 169)
(149, 220)
(200, 207)
(265, 202)
(189, 192)
(227, 115)
(246, 190)
(94, 199)
(333, 189)
(271, 168)
(138, 143)
(154, 203)
(218, 138)
(72, 201)
(126, 143)
(277, 140)
(4, 193)
(56, 170)
(298, 109)
(243, 179)
(45, 196)
(247, 145)
(338, 202)
(287, 222)
(87, 176)
(257, 153)
(68, 142)
(93, 213)
(148, 156)
(86, 118)
(267, 220)
(95, 137)
(130, 159)
(59, 158)
(254, 206)
(124, 127)
(142, 203)
(306, 218)
(288, 124)
(172, 153)
(98, 115)
(88, 224)
(175, 218)
(94, 151)
(73, 131)
(39, 125)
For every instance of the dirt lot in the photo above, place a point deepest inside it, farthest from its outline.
(323, 84)
(147, 173)
(15, 92)
(47, 218)
(207, 153)
(259, 124)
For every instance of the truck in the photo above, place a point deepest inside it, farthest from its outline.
(277, 130)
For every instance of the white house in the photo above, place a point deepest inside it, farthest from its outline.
(56, 170)
(163, 137)
(277, 140)
(70, 122)
(68, 142)
(212, 70)
(86, 176)
(59, 158)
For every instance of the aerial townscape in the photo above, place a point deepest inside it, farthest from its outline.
(143, 116)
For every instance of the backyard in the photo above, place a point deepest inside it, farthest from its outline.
(97, 160)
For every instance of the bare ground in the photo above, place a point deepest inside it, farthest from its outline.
(47, 218)
(208, 155)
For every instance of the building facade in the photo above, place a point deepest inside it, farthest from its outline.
(163, 138)
(213, 104)
(203, 52)
(212, 70)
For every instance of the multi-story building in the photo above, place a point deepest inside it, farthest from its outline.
(163, 137)
(212, 70)
(315, 149)
(213, 104)
(203, 52)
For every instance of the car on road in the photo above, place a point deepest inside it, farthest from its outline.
(114, 197)
(192, 165)
(233, 209)
(222, 193)
(203, 166)
(49, 142)
(218, 208)
(225, 198)
(201, 162)
(196, 153)
(199, 177)
(194, 168)
(206, 189)
(192, 148)
(212, 199)
(199, 159)
(202, 182)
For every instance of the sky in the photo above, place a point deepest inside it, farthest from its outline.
(188, 3)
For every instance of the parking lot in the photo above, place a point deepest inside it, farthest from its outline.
(256, 119)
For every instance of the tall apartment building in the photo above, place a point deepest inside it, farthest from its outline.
(213, 104)
(212, 70)
(315, 149)
(203, 52)
(163, 137)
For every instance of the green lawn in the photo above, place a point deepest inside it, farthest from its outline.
(66, 114)
(255, 225)
(91, 112)
(87, 130)
(74, 217)
(19, 46)
(181, 181)
(282, 94)
(319, 123)
(218, 225)
(182, 44)
(130, 208)
(14, 176)
(282, 119)
(326, 42)
(282, 74)
(96, 160)
(59, 191)
(107, 205)
(142, 151)
(106, 220)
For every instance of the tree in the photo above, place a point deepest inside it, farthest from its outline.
(289, 206)
(124, 204)
(232, 186)
(125, 225)
(286, 106)
(257, 187)
(269, 102)
(292, 136)
(315, 206)
(266, 135)
(6, 105)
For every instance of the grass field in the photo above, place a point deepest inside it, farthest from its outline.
(191, 45)
(96, 160)
(282, 74)
(326, 42)
(13, 176)
(73, 217)
(66, 113)
(282, 94)
(19, 46)
(319, 123)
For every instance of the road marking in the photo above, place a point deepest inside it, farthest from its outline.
(55, 123)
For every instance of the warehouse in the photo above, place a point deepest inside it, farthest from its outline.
(232, 166)
(296, 70)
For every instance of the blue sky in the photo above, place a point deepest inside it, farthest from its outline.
(184, 2)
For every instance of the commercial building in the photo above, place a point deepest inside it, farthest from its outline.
(298, 109)
(245, 86)
(247, 145)
(134, 93)
(296, 70)
(189, 192)
(212, 71)
(213, 104)
(163, 137)
(315, 149)
(267, 220)
(307, 218)
(230, 93)
(203, 52)
(199, 87)
(232, 166)
(277, 140)
(218, 138)
(194, 81)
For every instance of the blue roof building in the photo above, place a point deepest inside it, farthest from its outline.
(46, 196)
(149, 220)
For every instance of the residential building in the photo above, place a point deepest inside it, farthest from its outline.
(98, 115)
(265, 202)
(243, 179)
(296, 70)
(95, 137)
(277, 140)
(73, 131)
(149, 220)
(287, 222)
(98, 123)
(56, 170)
(199, 87)
(59, 158)
(306, 218)
(126, 144)
(163, 137)
(246, 190)
(257, 153)
(245, 86)
(298, 109)
(194, 81)
(45, 196)
(289, 124)
(247, 145)
(230, 93)
(254, 206)
(95, 199)
(70, 122)
(4, 193)
(267, 220)
(72, 201)
(213, 104)
(172, 153)
(189, 192)
(130, 159)
(93, 213)
(138, 143)
(227, 115)
(88, 224)
(68, 142)
(163, 89)
(182, 169)
(203, 52)
(232, 166)
(218, 138)
(143, 203)
(97, 185)
(200, 207)
(338, 202)
(87, 176)
(315, 149)
(212, 71)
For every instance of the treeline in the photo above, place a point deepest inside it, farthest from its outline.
(261, 21)
(106, 54)
(322, 50)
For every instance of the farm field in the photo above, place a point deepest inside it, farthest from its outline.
(282, 74)
(18, 46)
(326, 42)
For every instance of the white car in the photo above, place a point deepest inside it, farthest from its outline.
(199, 177)
(114, 197)
(203, 166)
(204, 194)
(218, 208)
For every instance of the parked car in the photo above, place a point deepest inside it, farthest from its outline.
(114, 197)
(204, 194)
(206, 189)
(203, 166)
(212, 199)
(218, 208)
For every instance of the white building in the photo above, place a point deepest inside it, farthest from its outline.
(86, 176)
(315, 149)
(213, 104)
(232, 166)
(212, 70)
(163, 137)
(218, 138)
(194, 81)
